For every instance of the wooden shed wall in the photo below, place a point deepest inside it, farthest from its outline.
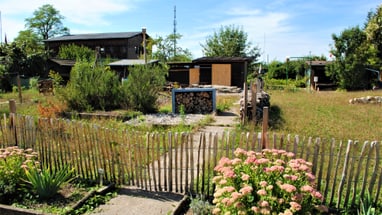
(194, 75)
(221, 74)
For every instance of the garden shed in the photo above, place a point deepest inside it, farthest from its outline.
(318, 78)
(226, 71)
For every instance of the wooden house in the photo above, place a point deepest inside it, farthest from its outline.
(116, 46)
(122, 45)
(227, 71)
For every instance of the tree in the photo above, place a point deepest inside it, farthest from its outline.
(46, 22)
(165, 50)
(29, 40)
(229, 41)
(373, 29)
(351, 53)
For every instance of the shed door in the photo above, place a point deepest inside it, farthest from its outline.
(221, 74)
(194, 76)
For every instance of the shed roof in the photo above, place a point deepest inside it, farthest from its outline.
(222, 60)
(130, 62)
(318, 62)
(63, 62)
(96, 36)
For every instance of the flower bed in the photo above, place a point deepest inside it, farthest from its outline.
(265, 182)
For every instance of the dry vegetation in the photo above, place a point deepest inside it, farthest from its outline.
(326, 114)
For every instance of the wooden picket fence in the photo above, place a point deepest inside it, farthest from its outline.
(183, 162)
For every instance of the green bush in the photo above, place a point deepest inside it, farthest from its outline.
(75, 52)
(33, 83)
(92, 88)
(46, 182)
(143, 86)
(200, 206)
(12, 162)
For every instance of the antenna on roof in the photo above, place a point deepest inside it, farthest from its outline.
(174, 31)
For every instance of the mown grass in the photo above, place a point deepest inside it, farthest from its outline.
(325, 114)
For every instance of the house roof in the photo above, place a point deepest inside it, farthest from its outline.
(318, 62)
(130, 62)
(97, 36)
(222, 59)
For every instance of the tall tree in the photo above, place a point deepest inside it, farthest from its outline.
(229, 41)
(351, 54)
(46, 22)
(373, 29)
(165, 50)
(30, 41)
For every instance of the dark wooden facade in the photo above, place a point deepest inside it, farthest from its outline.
(318, 78)
(123, 45)
(210, 71)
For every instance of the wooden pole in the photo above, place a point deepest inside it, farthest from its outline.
(253, 101)
(12, 110)
(245, 93)
(12, 106)
(264, 138)
(19, 88)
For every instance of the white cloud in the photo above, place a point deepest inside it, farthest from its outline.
(76, 12)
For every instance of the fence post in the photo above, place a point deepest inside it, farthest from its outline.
(264, 138)
(12, 110)
(12, 106)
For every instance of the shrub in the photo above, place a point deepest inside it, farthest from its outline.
(91, 88)
(12, 162)
(200, 206)
(143, 86)
(33, 83)
(46, 182)
(265, 182)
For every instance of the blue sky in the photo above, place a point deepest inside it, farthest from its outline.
(279, 28)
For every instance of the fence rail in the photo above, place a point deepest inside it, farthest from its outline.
(183, 162)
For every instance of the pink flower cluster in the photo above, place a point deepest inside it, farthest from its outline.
(264, 183)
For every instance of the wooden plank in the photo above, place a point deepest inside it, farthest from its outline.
(202, 136)
(315, 155)
(221, 74)
(176, 144)
(344, 173)
(373, 178)
(170, 160)
(188, 151)
(339, 156)
(148, 178)
(379, 184)
(165, 143)
(181, 160)
(154, 159)
(358, 172)
(194, 76)
(351, 173)
(208, 165)
(329, 170)
(159, 161)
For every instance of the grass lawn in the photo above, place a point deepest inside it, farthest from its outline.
(325, 114)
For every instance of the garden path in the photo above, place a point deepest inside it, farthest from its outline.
(133, 200)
